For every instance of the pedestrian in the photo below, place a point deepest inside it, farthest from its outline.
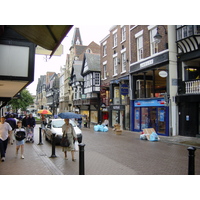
(80, 122)
(5, 130)
(68, 129)
(43, 122)
(13, 124)
(20, 135)
(30, 126)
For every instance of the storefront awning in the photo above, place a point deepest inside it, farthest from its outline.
(46, 36)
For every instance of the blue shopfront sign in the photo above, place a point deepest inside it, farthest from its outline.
(124, 89)
(150, 102)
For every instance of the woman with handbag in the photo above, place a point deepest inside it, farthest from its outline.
(68, 130)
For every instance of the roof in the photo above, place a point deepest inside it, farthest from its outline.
(93, 62)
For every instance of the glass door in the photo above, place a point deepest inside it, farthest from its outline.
(161, 120)
(152, 118)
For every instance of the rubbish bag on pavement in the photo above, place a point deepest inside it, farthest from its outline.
(153, 137)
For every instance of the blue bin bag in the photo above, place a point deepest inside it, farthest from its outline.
(101, 128)
(96, 128)
(153, 137)
(105, 129)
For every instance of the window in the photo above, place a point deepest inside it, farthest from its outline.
(75, 93)
(116, 95)
(140, 47)
(123, 33)
(104, 50)
(114, 39)
(104, 71)
(124, 62)
(115, 71)
(154, 45)
(184, 31)
(79, 92)
(96, 78)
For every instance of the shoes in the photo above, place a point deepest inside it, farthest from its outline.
(22, 157)
(73, 159)
(2, 159)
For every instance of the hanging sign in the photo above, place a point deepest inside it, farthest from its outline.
(163, 74)
(124, 89)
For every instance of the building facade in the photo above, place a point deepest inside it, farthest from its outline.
(188, 97)
(153, 78)
(77, 51)
(115, 104)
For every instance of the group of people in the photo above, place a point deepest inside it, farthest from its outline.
(10, 128)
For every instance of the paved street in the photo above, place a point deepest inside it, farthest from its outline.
(105, 154)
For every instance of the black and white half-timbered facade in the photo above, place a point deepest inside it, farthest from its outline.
(91, 74)
(188, 63)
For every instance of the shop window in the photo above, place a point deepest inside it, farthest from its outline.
(140, 90)
(192, 73)
(116, 99)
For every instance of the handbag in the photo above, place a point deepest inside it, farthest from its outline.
(65, 141)
(20, 135)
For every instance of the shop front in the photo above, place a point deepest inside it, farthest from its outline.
(117, 113)
(150, 113)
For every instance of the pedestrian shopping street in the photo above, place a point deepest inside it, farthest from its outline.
(106, 154)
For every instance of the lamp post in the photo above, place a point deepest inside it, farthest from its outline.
(157, 37)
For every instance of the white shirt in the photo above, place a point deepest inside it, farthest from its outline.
(4, 128)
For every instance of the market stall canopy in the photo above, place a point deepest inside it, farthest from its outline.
(46, 36)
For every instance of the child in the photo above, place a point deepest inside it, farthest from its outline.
(20, 135)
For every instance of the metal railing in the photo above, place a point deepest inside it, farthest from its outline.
(192, 87)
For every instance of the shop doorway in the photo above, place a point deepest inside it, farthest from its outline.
(152, 117)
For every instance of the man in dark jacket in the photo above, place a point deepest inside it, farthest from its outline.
(31, 125)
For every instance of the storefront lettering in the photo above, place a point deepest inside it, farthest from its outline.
(116, 107)
(147, 63)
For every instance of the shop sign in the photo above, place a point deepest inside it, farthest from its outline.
(151, 102)
(163, 74)
(147, 63)
(116, 107)
(124, 89)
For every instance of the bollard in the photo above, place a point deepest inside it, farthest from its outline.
(40, 136)
(191, 161)
(81, 159)
(53, 155)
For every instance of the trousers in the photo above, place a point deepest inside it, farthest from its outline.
(3, 147)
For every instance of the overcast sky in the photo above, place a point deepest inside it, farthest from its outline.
(89, 33)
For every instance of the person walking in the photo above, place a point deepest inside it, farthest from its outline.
(80, 122)
(20, 135)
(13, 124)
(5, 130)
(31, 125)
(68, 129)
(43, 122)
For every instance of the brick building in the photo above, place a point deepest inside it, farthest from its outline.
(153, 78)
(115, 76)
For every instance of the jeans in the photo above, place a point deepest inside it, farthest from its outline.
(3, 147)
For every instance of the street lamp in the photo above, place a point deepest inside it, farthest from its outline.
(158, 37)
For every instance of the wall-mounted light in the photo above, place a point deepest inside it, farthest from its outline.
(158, 37)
